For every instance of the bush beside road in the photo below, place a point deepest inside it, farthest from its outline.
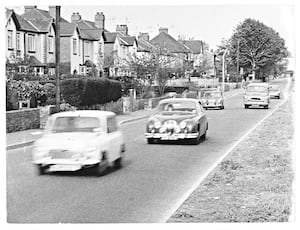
(253, 183)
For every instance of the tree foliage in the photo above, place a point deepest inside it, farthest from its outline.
(256, 46)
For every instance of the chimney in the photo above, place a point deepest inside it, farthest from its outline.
(163, 30)
(99, 20)
(144, 36)
(52, 11)
(123, 29)
(28, 8)
(75, 17)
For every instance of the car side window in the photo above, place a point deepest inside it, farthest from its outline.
(111, 124)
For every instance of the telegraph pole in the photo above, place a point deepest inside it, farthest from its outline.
(237, 61)
(57, 57)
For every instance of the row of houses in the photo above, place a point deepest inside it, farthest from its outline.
(86, 45)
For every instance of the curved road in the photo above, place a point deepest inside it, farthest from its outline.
(153, 180)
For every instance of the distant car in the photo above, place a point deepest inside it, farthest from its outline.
(79, 139)
(257, 94)
(191, 94)
(204, 90)
(212, 99)
(177, 119)
(170, 94)
(274, 91)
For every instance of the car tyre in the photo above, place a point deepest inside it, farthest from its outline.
(118, 162)
(222, 107)
(41, 170)
(246, 106)
(278, 97)
(266, 106)
(150, 140)
(101, 167)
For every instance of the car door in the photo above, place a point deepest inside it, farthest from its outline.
(202, 120)
(115, 137)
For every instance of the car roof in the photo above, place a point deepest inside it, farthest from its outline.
(84, 113)
(179, 99)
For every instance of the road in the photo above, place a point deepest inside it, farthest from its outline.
(153, 179)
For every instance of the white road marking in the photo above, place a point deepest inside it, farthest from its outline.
(219, 160)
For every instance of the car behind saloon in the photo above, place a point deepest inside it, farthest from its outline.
(257, 94)
(79, 139)
(274, 91)
(177, 119)
(213, 99)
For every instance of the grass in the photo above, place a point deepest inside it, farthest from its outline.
(253, 183)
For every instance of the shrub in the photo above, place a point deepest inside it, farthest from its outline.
(90, 91)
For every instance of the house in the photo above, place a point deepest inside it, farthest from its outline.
(145, 47)
(87, 44)
(32, 35)
(119, 48)
(167, 45)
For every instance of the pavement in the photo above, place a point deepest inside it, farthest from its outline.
(27, 137)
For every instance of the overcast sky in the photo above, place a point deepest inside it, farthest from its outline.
(210, 23)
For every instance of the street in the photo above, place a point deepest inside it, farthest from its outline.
(153, 178)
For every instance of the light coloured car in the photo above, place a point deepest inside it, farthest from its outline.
(274, 91)
(212, 99)
(257, 94)
(177, 119)
(79, 139)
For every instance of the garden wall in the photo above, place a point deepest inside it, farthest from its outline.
(18, 120)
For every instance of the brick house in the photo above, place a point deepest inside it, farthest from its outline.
(87, 43)
(32, 34)
(119, 48)
(177, 52)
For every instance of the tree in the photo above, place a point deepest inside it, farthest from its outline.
(257, 46)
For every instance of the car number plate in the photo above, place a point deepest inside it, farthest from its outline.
(64, 167)
(170, 137)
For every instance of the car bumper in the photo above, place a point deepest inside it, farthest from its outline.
(256, 102)
(174, 136)
(66, 164)
(275, 95)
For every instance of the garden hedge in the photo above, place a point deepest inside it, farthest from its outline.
(90, 91)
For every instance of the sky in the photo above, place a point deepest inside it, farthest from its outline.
(209, 23)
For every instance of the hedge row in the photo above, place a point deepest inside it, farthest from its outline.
(89, 91)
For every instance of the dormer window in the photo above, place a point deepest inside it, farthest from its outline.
(31, 43)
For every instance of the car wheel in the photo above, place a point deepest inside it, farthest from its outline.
(266, 106)
(41, 170)
(278, 97)
(118, 163)
(150, 140)
(246, 106)
(101, 168)
(222, 107)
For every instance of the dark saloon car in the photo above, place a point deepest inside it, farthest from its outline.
(177, 119)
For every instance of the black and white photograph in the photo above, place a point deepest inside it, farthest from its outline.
(157, 113)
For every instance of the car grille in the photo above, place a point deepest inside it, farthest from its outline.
(255, 98)
(60, 154)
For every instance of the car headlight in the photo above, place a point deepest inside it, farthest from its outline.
(190, 126)
(157, 124)
(182, 124)
(39, 152)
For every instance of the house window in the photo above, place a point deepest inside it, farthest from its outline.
(50, 44)
(100, 49)
(31, 43)
(18, 47)
(79, 48)
(10, 39)
(74, 46)
(86, 49)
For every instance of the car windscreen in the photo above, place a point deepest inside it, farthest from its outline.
(177, 107)
(75, 124)
(257, 88)
(212, 94)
